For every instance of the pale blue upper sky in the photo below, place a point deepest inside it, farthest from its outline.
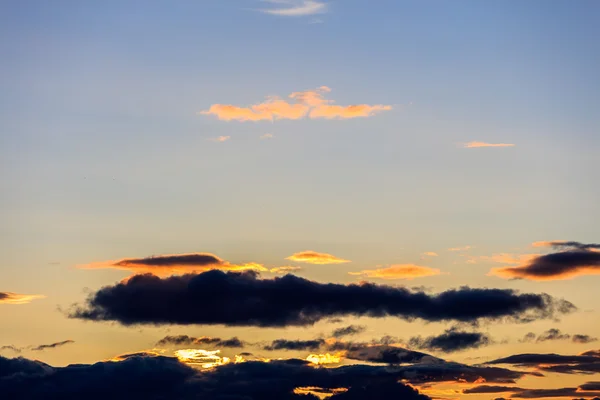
(103, 154)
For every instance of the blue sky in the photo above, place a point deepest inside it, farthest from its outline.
(104, 154)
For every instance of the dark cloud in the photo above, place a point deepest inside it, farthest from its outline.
(552, 334)
(556, 334)
(584, 339)
(185, 340)
(384, 354)
(590, 386)
(593, 353)
(283, 344)
(157, 377)
(3, 295)
(196, 259)
(541, 359)
(588, 389)
(528, 338)
(42, 347)
(585, 363)
(451, 340)
(10, 347)
(578, 259)
(235, 298)
(573, 244)
(348, 331)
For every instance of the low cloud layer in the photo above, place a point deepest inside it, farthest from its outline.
(308, 104)
(585, 363)
(243, 299)
(451, 340)
(15, 298)
(587, 390)
(404, 271)
(574, 259)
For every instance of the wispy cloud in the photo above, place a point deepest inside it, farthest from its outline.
(220, 139)
(15, 298)
(463, 248)
(43, 347)
(310, 103)
(430, 254)
(267, 136)
(313, 257)
(404, 271)
(472, 145)
(295, 8)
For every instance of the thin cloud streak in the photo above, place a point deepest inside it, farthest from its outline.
(15, 298)
(473, 145)
(298, 8)
(403, 271)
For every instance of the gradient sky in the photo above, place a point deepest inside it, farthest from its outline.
(105, 154)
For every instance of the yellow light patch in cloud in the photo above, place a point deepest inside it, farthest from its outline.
(313, 257)
(402, 271)
(473, 145)
(321, 393)
(309, 103)
(15, 298)
(204, 358)
(323, 359)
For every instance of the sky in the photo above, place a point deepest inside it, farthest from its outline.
(341, 179)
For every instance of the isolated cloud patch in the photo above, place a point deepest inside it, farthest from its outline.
(588, 389)
(585, 363)
(403, 271)
(174, 264)
(284, 344)
(243, 299)
(308, 104)
(313, 257)
(576, 259)
(472, 145)
(15, 298)
(451, 340)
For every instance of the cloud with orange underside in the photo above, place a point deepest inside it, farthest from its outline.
(172, 264)
(473, 145)
(403, 271)
(313, 257)
(307, 104)
(15, 298)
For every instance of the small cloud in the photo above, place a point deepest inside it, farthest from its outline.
(308, 104)
(267, 136)
(349, 330)
(15, 298)
(451, 340)
(404, 271)
(313, 257)
(322, 359)
(220, 139)
(472, 145)
(430, 254)
(295, 8)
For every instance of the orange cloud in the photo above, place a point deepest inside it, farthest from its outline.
(430, 254)
(14, 298)
(403, 271)
(310, 103)
(313, 257)
(472, 145)
(507, 258)
(175, 264)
